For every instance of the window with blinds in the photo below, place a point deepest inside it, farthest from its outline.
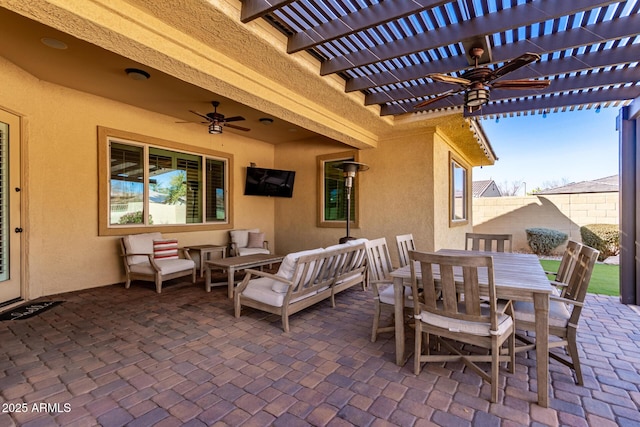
(154, 186)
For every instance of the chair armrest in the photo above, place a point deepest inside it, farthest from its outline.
(233, 249)
(185, 253)
(566, 301)
(251, 272)
(151, 260)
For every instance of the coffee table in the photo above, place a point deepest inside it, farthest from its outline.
(235, 263)
(205, 253)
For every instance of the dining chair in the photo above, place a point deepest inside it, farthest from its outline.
(379, 268)
(567, 264)
(488, 242)
(564, 313)
(405, 244)
(438, 312)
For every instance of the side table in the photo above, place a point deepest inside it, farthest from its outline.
(205, 252)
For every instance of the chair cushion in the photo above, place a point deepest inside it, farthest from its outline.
(140, 244)
(387, 296)
(255, 240)
(167, 266)
(165, 249)
(252, 251)
(241, 237)
(469, 327)
(558, 313)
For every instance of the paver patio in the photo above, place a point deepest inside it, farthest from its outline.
(111, 356)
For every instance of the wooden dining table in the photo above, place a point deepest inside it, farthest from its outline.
(518, 277)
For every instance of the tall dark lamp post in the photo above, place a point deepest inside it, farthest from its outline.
(349, 170)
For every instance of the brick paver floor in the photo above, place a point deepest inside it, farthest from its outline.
(113, 357)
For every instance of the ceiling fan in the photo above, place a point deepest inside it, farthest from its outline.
(217, 120)
(477, 82)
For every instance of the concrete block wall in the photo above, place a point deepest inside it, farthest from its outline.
(562, 212)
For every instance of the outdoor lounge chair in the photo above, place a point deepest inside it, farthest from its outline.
(150, 257)
(248, 242)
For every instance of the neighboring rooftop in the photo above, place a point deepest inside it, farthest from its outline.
(486, 188)
(602, 185)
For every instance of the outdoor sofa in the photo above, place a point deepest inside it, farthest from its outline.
(303, 279)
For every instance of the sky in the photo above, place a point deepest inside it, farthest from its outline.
(560, 148)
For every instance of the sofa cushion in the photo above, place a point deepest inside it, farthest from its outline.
(288, 267)
(167, 266)
(255, 240)
(140, 244)
(261, 289)
(165, 249)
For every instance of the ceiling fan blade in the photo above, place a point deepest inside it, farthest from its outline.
(445, 78)
(521, 84)
(234, 119)
(201, 115)
(437, 98)
(237, 127)
(514, 64)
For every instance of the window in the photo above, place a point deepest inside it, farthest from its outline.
(332, 196)
(148, 184)
(459, 192)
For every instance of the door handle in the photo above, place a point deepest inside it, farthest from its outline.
(18, 230)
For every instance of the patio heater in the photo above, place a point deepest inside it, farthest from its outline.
(349, 170)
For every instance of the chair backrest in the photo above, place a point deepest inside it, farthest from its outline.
(378, 260)
(444, 277)
(139, 244)
(488, 242)
(405, 244)
(241, 237)
(568, 261)
(578, 283)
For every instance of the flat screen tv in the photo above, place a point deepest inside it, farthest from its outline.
(269, 182)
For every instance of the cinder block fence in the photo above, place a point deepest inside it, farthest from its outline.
(562, 212)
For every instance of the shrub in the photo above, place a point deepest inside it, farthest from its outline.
(603, 237)
(544, 240)
(133, 218)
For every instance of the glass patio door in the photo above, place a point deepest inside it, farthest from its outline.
(10, 230)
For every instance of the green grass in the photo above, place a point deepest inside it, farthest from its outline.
(605, 279)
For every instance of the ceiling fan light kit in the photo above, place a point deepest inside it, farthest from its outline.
(215, 128)
(476, 82)
(215, 121)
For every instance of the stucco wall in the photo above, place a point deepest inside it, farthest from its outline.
(404, 191)
(60, 216)
(562, 212)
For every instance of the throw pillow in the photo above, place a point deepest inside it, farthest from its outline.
(256, 240)
(165, 249)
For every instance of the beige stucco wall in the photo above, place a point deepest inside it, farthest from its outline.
(404, 191)
(562, 212)
(60, 213)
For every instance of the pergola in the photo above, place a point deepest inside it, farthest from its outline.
(396, 53)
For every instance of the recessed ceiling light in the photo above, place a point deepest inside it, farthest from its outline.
(266, 121)
(137, 74)
(53, 43)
